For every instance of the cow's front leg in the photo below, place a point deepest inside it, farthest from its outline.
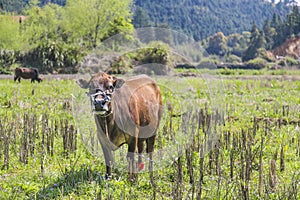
(109, 160)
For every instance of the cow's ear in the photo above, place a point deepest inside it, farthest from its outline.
(83, 83)
(118, 82)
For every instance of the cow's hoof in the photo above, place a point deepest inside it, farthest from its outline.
(108, 177)
(133, 178)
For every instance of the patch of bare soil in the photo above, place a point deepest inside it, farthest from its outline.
(289, 48)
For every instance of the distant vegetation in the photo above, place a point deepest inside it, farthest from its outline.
(54, 37)
(203, 18)
(256, 43)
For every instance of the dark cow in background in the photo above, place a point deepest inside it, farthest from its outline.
(27, 73)
(125, 112)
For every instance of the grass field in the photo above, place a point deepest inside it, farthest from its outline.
(219, 139)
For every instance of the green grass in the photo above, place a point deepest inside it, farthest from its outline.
(242, 72)
(230, 165)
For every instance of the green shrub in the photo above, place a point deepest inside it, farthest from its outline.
(157, 52)
(208, 63)
(120, 65)
(226, 72)
(257, 63)
(288, 61)
(266, 56)
(7, 58)
(282, 62)
(154, 59)
(279, 72)
(291, 61)
(233, 59)
(50, 56)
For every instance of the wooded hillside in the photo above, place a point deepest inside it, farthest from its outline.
(202, 18)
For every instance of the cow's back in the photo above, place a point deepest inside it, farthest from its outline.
(26, 73)
(138, 104)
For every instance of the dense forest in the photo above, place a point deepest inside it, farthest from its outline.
(202, 18)
(18, 6)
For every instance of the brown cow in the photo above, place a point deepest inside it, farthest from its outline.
(125, 112)
(27, 73)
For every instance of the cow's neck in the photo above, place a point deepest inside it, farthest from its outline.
(106, 122)
(111, 132)
(104, 127)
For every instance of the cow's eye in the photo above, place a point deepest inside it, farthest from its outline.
(111, 88)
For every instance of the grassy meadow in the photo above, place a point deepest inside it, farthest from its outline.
(219, 139)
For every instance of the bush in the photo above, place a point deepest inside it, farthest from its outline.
(226, 72)
(233, 59)
(157, 52)
(154, 59)
(120, 65)
(257, 63)
(291, 61)
(7, 58)
(288, 61)
(50, 56)
(282, 63)
(208, 63)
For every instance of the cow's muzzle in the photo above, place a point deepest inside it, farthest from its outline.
(100, 103)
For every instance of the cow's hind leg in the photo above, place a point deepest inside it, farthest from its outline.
(150, 148)
(141, 165)
(132, 147)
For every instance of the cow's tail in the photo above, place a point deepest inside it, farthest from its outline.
(36, 71)
(36, 74)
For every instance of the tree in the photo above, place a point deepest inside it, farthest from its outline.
(237, 43)
(43, 23)
(256, 45)
(276, 21)
(141, 18)
(217, 44)
(269, 33)
(10, 35)
(292, 21)
(87, 22)
(287, 28)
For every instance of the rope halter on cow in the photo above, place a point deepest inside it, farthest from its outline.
(100, 106)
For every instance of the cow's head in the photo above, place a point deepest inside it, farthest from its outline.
(101, 88)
